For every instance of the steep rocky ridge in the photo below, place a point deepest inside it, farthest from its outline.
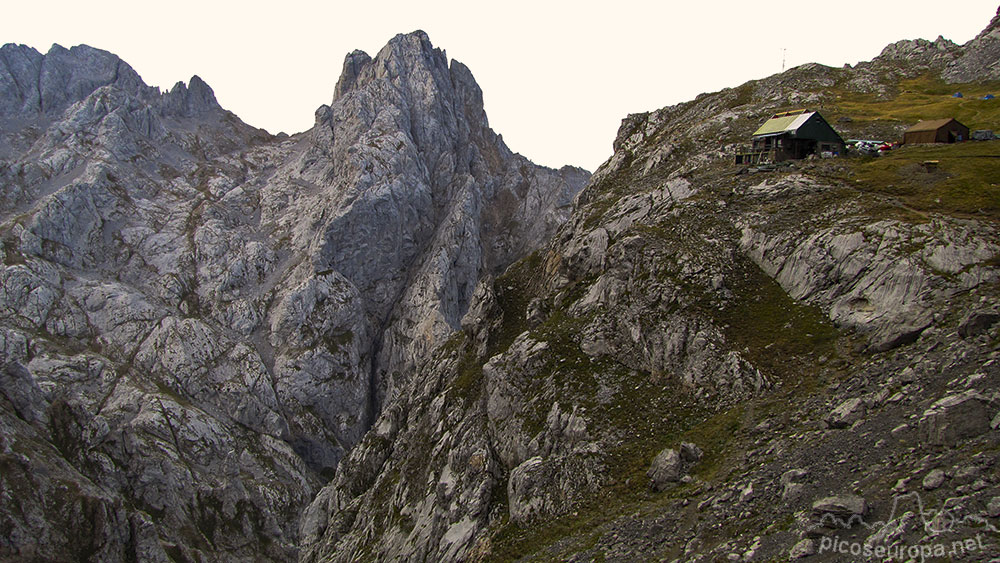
(829, 342)
(978, 60)
(199, 318)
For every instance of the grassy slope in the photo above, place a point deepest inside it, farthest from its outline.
(967, 180)
(923, 98)
(963, 182)
(967, 176)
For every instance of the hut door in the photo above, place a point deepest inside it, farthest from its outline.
(807, 148)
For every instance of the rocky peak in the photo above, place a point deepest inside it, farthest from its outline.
(354, 62)
(920, 51)
(408, 138)
(190, 100)
(994, 27)
(402, 56)
(406, 53)
(36, 85)
(407, 86)
(33, 84)
(977, 60)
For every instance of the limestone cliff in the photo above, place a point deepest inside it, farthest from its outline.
(199, 319)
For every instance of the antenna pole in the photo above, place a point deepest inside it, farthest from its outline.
(783, 50)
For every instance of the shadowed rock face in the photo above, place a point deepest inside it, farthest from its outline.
(198, 319)
(436, 197)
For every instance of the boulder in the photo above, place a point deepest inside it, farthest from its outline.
(956, 417)
(670, 465)
(847, 413)
(977, 322)
(993, 508)
(838, 512)
(841, 505)
(804, 548)
(666, 468)
(933, 480)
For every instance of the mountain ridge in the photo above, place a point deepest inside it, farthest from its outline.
(180, 284)
(390, 337)
(801, 327)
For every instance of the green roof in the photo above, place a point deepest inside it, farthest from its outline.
(801, 124)
(781, 123)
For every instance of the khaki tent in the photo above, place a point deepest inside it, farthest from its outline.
(937, 131)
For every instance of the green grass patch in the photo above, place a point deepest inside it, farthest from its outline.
(468, 382)
(742, 95)
(964, 181)
(336, 343)
(167, 391)
(923, 98)
(512, 543)
(769, 326)
(514, 290)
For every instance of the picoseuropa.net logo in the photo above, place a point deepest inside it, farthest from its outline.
(902, 552)
(908, 516)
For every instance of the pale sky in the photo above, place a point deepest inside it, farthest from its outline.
(557, 77)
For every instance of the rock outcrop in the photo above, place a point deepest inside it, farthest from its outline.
(979, 59)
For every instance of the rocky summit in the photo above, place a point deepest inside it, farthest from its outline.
(390, 338)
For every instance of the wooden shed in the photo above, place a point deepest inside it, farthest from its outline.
(793, 135)
(936, 131)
